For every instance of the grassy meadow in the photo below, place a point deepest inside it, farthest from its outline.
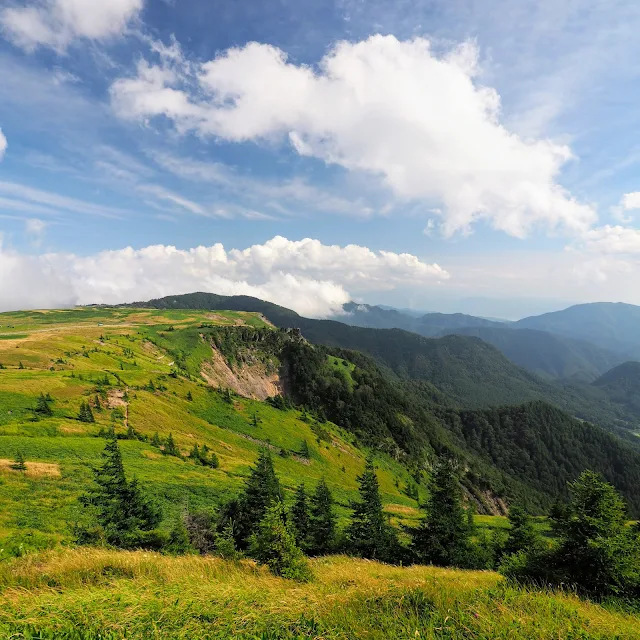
(91, 594)
(116, 355)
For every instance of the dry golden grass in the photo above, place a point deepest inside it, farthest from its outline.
(153, 596)
(34, 469)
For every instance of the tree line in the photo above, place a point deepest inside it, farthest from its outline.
(595, 550)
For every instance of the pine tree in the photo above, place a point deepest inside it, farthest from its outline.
(300, 516)
(120, 507)
(131, 433)
(19, 464)
(194, 454)
(97, 404)
(597, 553)
(42, 406)
(443, 537)
(369, 534)
(155, 441)
(20, 365)
(178, 541)
(170, 447)
(522, 534)
(85, 414)
(189, 396)
(322, 526)
(225, 544)
(261, 491)
(304, 450)
(273, 544)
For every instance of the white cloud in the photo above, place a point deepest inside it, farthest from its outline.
(312, 278)
(3, 144)
(631, 201)
(421, 122)
(35, 227)
(57, 23)
(612, 239)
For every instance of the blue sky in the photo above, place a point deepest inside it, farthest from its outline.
(422, 154)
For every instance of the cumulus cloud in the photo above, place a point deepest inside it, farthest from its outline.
(57, 23)
(3, 144)
(612, 239)
(312, 278)
(422, 122)
(631, 201)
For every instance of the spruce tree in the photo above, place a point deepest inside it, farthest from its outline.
(42, 406)
(304, 450)
(522, 534)
(19, 464)
(189, 396)
(300, 517)
(194, 454)
(369, 534)
(178, 541)
(97, 404)
(155, 441)
(225, 544)
(85, 414)
(120, 507)
(322, 526)
(273, 544)
(261, 491)
(443, 537)
(170, 447)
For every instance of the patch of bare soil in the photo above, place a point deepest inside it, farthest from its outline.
(250, 381)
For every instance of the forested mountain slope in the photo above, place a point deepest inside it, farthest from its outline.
(469, 371)
(548, 355)
(614, 326)
(622, 385)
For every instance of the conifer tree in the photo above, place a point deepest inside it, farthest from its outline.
(273, 544)
(300, 517)
(522, 534)
(369, 534)
(170, 447)
(42, 406)
(120, 506)
(178, 541)
(97, 404)
(85, 414)
(322, 525)
(225, 544)
(304, 450)
(189, 396)
(194, 454)
(443, 537)
(261, 491)
(155, 441)
(19, 464)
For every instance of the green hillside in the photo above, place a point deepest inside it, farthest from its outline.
(144, 369)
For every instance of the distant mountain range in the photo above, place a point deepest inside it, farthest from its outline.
(580, 343)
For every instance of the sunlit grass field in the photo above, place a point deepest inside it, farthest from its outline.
(107, 594)
(67, 354)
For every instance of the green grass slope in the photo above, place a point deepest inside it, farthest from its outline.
(144, 367)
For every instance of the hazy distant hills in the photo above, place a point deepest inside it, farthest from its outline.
(547, 354)
(613, 326)
(428, 325)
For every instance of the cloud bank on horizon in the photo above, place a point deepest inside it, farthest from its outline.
(307, 276)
